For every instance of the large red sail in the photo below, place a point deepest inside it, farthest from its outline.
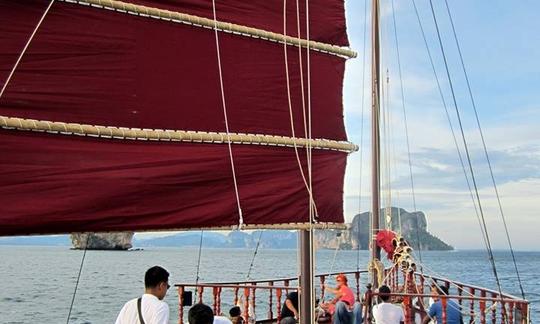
(96, 66)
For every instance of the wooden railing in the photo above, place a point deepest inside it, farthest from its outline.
(262, 299)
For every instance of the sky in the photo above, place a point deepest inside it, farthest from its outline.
(500, 44)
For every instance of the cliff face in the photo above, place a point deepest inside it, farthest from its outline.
(102, 241)
(413, 226)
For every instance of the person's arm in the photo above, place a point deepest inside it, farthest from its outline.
(291, 307)
(430, 314)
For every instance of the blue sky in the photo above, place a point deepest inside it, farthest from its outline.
(501, 48)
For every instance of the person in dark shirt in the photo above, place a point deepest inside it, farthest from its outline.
(236, 315)
(289, 312)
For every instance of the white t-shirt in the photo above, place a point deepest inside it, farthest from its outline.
(221, 320)
(386, 313)
(154, 311)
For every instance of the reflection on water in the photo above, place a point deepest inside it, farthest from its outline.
(38, 282)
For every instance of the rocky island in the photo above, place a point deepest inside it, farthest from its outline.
(102, 241)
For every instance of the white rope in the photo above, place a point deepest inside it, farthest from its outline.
(290, 101)
(240, 216)
(25, 48)
(302, 92)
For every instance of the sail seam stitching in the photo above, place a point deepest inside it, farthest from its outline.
(192, 20)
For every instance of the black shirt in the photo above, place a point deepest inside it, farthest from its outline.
(285, 311)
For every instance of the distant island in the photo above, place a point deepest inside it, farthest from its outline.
(356, 235)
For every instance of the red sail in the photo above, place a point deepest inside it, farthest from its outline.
(100, 67)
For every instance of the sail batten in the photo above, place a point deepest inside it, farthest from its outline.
(179, 17)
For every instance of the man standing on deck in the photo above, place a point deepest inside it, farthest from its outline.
(453, 310)
(150, 308)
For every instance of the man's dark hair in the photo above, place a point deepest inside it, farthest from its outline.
(384, 292)
(200, 314)
(235, 311)
(443, 290)
(154, 276)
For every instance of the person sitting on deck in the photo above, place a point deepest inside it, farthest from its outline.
(453, 312)
(385, 312)
(289, 312)
(343, 308)
(236, 315)
(200, 314)
(150, 307)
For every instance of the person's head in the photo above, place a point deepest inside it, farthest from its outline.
(156, 281)
(341, 280)
(234, 311)
(384, 293)
(442, 290)
(200, 314)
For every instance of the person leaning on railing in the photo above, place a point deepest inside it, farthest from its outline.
(453, 312)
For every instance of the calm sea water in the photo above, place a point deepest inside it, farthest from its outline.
(37, 282)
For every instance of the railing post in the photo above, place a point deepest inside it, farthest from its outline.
(253, 301)
(357, 278)
(482, 308)
(214, 303)
(409, 316)
(322, 280)
(200, 291)
(219, 301)
(278, 304)
(460, 293)
(236, 289)
(368, 301)
(471, 310)
(444, 302)
(270, 301)
(246, 304)
(180, 303)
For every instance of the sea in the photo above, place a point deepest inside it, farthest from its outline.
(37, 283)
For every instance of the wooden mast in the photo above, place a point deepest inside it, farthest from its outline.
(375, 143)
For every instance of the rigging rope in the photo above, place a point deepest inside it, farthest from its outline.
(248, 277)
(490, 251)
(25, 48)
(450, 123)
(290, 101)
(199, 260)
(485, 148)
(78, 278)
(361, 133)
(406, 130)
(240, 216)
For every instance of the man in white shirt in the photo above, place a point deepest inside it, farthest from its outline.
(148, 309)
(385, 312)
